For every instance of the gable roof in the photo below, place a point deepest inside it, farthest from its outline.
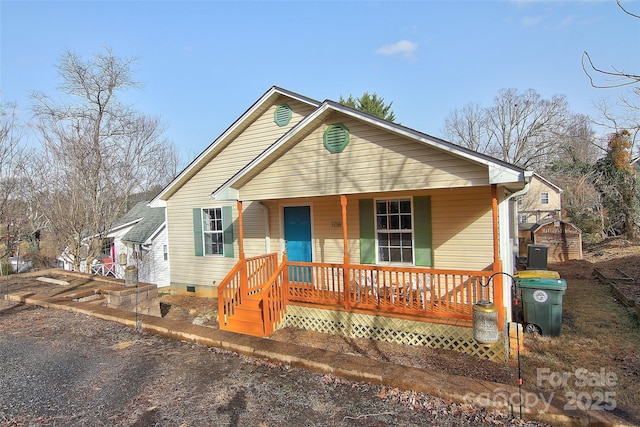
(145, 221)
(263, 103)
(499, 172)
(549, 183)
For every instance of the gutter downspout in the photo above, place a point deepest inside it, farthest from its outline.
(516, 245)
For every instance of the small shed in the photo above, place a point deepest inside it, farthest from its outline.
(563, 239)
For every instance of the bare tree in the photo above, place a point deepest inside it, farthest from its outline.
(519, 128)
(96, 151)
(467, 127)
(11, 159)
(616, 77)
(623, 114)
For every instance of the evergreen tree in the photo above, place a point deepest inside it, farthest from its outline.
(370, 104)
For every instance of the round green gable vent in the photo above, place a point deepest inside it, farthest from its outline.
(336, 138)
(282, 115)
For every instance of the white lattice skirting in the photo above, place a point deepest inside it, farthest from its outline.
(399, 331)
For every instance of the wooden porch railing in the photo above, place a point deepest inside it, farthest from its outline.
(257, 280)
(411, 291)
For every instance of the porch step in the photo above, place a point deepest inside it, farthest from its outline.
(246, 319)
(244, 327)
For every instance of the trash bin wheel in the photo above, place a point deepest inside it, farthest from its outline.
(532, 328)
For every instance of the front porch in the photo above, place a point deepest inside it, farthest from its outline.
(411, 305)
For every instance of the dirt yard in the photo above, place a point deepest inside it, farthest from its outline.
(599, 335)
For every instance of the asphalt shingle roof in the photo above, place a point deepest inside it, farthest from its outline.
(148, 221)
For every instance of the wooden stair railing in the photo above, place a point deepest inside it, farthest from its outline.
(256, 307)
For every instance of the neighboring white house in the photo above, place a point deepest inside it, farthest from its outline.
(141, 234)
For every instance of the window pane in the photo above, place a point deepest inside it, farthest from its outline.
(394, 222)
(383, 239)
(383, 254)
(407, 255)
(395, 255)
(405, 206)
(213, 243)
(394, 239)
(394, 206)
(382, 222)
(406, 239)
(405, 222)
(381, 207)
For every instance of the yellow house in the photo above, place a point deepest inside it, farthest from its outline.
(543, 201)
(314, 215)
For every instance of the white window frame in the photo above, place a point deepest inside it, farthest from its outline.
(216, 235)
(389, 248)
(544, 198)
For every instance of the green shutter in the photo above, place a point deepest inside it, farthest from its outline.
(367, 232)
(422, 231)
(197, 231)
(227, 234)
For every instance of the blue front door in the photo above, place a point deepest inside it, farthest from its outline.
(297, 233)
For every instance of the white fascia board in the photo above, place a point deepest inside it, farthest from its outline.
(157, 203)
(501, 175)
(226, 193)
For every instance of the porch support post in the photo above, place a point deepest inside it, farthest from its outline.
(345, 262)
(498, 293)
(244, 286)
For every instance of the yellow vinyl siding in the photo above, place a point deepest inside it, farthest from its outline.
(533, 196)
(461, 223)
(375, 160)
(462, 228)
(186, 268)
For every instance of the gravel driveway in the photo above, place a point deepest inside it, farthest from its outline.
(65, 369)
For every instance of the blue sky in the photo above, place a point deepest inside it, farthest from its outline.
(204, 63)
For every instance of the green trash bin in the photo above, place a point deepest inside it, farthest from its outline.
(542, 304)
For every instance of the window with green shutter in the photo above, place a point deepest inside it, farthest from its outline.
(396, 231)
(213, 231)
